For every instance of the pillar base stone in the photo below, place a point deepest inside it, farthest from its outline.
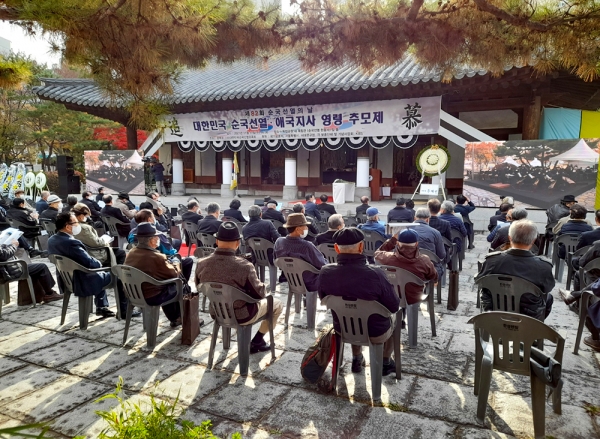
(290, 193)
(361, 192)
(226, 192)
(177, 188)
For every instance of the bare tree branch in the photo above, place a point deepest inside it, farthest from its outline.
(484, 6)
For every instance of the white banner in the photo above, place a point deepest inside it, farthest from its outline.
(397, 117)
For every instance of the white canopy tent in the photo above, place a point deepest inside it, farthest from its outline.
(535, 163)
(135, 160)
(580, 155)
(511, 161)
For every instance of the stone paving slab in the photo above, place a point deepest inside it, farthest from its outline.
(26, 380)
(63, 352)
(101, 362)
(9, 329)
(144, 373)
(30, 342)
(382, 422)
(8, 365)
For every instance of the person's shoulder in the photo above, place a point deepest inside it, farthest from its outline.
(493, 255)
(544, 260)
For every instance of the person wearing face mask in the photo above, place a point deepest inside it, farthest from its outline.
(295, 246)
(65, 243)
(54, 207)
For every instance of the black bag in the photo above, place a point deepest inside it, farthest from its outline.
(190, 320)
(546, 368)
(318, 356)
(453, 291)
(11, 272)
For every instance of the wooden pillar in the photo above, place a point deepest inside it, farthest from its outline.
(532, 115)
(131, 137)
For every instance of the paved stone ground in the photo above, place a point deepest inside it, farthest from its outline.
(55, 373)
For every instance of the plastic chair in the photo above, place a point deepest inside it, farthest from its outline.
(286, 212)
(454, 263)
(587, 299)
(293, 268)
(132, 280)
(191, 229)
(260, 248)
(222, 298)
(435, 260)
(461, 254)
(111, 224)
(207, 240)
(399, 278)
(66, 268)
(371, 242)
(594, 264)
(521, 331)
(569, 262)
(329, 252)
(276, 223)
(49, 226)
(361, 218)
(27, 228)
(570, 242)
(353, 316)
(5, 284)
(324, 216)
(507, 290)
(350, 221)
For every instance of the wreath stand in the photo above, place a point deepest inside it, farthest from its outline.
(425, 172)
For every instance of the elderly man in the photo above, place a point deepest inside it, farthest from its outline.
(145, 257)
(325, 206)
(20, 213)
(438, 224)
(588, 238)
(117, 213)
(295, 246)
(260, 228)
(88, 200)
(364, 205)
(334, 223)
(403, 252)
(455, 222)
(500, 234)
(520, 262)
(54, 207)
(123, 204)
(42, 204)
(373, 224)
(211, 223)
(271, 213)
(400, 214)
(64, 244)
(20, 193)
(575, 225)
(353, 278)
(312, 229)
(193, 212)
(464, 207)
(311, 207)
(430, 239)
(558, 211)
(501, 217)
(225, 267)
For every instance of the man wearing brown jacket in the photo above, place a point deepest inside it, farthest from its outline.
(225, 267)
(402, 251)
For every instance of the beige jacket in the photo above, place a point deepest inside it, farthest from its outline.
(123, 208)
(89, 237)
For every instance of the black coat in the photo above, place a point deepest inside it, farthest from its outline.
(400, 214)
(588, 238)
(259, 228)
(24, 216)
(362, 209)
(554, 214)
(209, 225)
(326, 207)
(50, 213)
(116, 213)
(236, 214)
(494, 221)
(272, 214)
(94, 208)
(192, 217)
(325, 238)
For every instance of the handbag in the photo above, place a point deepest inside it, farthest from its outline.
(453, 291)
(190, 320)
(546, 368)
(24, 296)
(10, 272)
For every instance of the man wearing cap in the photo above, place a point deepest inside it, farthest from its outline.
(54, 207)
(145, 257)
(364, 205)
(311, 207)
(122, 204)
(88, 200)
(312, 229)
(353, 278)
(334, 223)
(558, 211)
(225, 267)
(210, 223)
(295, 246)
(402, 251)
(271, 213)
(575, 222)
(429, 238)
(400, 214)
(64, 244)
(42, 204)
(372, 224)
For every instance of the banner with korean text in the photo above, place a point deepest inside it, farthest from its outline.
(397, 117)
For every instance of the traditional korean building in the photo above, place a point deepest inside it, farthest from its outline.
(295, 131)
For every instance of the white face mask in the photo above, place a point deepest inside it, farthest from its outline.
(60, 206)
(76, 229)
(304, 234)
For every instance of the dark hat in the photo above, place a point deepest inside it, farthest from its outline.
(228, 231)
(400, 201)
(123, 195)
(146, 230)
(18, 201)
(408, 236)
(569, 199)
(296, 220)
(348, 236)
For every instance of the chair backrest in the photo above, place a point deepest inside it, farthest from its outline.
(455, 234)
(371, 241)
(570, 242)
(132, 280)
(191, 229)
(512, 336)
(202, 252)
(507, 290)
(353, 316)
(49, 226)
(285, 212)
(324, 215)
(329, 252)
(260, 247)
(207, 240)
(276, 223)
(111, 223)
(222, 297)
(434, 258)
(350, 221)
(66, 268)
(293, 269)
(399, 278)
(594, 264)
(582, 250)
(361, 217)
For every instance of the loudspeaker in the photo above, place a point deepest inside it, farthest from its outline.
(68, 183)
(64, 165)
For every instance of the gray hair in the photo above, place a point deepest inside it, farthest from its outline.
(448, 206)
(335, 221)
(298, 207)
(44, 194)
(254, 211)
(144, 240)
(518, 213)
(523, 232)
(422, 213)
(372, 218)
(213, 208)
(272, 203)
(351, 248)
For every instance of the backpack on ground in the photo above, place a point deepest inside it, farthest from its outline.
(318, 356)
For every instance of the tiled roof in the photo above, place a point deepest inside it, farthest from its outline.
(282, 76)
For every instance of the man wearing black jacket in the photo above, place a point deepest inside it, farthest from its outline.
(211, 223)
(435, 221)
(86, 198)
(325, 206)
(260, 228)
(54, 207)
(588, 238)
(19, 212)
(504, 208)
(110, 210)
(192, 215)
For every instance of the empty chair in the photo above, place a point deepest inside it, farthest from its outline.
(292, 269)
(434, 258)
(353, 316)
(512, 336)
(49, 226)
(191, 229)
(570, 242)
(207, 240)
(361, 218)
(132, 280)
(276, 223)
(569, 262)
(65, 269)
(329, 252)
(260, 248)
(111, 224)
(373, 241)
(221, 298)
(350, 221)
(399, 278)
(5, 284)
